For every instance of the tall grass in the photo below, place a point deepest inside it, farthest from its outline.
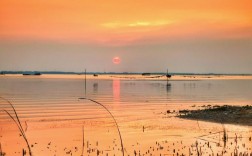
(18, 123)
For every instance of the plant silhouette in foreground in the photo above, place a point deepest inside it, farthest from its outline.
(18, 123)
(112, 117)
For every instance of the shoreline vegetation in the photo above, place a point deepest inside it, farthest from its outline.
(238, 115)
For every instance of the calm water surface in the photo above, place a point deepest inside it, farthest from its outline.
(139, 107)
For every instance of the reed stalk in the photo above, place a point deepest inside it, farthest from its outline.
(1, 152)
(18, 123)
(83, 144)
(118, 130)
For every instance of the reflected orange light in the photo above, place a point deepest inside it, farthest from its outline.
(116, 90)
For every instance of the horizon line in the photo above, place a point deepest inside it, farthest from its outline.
(93, 72)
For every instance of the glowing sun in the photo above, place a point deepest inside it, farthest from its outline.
(116, 60)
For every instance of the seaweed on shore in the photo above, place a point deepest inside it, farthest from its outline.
(241, 115)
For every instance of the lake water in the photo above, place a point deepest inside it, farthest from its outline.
(55, 117)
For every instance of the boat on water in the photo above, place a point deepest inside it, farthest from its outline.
(146, 74)
(168, 75)
(32, 73)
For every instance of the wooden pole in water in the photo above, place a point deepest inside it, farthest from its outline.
(85, 81)
(167, 77)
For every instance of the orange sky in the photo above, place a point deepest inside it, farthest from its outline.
(124, 21)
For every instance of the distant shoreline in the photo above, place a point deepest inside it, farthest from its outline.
(121, 73)
(131, 77)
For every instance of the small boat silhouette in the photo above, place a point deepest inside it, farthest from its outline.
(32, 73)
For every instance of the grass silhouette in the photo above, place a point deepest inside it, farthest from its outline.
(113, 119)
(18, 123)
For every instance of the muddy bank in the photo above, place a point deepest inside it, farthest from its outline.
(241, 115)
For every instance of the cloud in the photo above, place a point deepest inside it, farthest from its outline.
(136, 24)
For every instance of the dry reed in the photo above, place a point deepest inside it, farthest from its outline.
(18, 123)
(113, 119)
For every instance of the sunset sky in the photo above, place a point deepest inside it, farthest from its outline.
(210, 36)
